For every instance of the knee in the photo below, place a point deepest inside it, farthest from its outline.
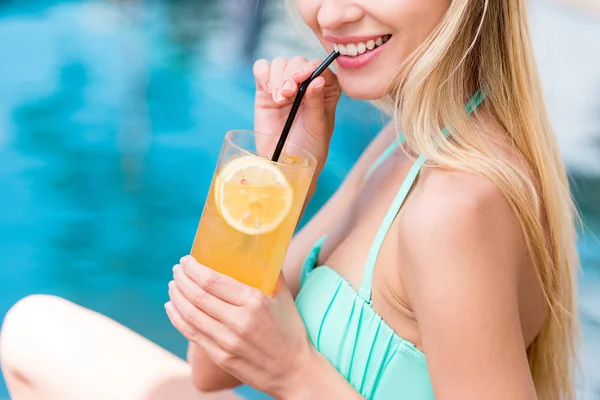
(24, 326)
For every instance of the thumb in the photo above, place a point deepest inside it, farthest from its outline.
(314, 99)
(315, 121)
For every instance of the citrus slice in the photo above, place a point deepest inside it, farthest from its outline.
(253, 195)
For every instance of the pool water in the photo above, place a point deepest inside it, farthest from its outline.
(111, 118)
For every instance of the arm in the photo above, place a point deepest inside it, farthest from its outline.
(206, 375)
(320, 380)
(464, 257)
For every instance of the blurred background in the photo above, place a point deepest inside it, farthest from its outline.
(112, 114)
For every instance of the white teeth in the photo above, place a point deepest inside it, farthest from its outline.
(355, 49)
(352, 50)
(361, 47)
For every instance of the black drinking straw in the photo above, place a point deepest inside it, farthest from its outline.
(301, 92)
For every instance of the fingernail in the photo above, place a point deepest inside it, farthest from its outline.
(171, 286)
(168, 306)
(268, 85)
(287, 86)
(183, 260)
(176, 267)
(279, 97)
(299, 74)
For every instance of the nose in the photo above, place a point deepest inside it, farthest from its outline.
(335, 13)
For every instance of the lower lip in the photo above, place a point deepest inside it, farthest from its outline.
(348, 62)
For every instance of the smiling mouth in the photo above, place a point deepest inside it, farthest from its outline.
(360, 48)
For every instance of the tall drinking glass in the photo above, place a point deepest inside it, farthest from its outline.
(252, 208)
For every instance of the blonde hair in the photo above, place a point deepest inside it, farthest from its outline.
(485, 45)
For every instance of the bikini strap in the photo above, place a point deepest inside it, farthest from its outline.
(365, 286)
(367, 280)
(390, 149)
(475, 101)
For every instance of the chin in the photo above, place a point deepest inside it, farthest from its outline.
(362, 88)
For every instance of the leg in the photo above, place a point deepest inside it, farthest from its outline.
(52, 349)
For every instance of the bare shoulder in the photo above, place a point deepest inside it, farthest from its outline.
(458, 212)
(461, 265)
(465, 239)
(465, 273)
(462, 223)
(465, 195)
(462, 214)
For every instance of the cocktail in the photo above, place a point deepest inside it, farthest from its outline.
(252, 208)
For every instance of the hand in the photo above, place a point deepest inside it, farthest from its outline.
(260, 340)
(276, 86)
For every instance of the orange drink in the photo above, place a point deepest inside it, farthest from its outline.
(252, 209)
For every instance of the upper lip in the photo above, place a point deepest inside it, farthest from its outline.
(351, 39)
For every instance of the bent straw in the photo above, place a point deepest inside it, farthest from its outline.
(296, 105)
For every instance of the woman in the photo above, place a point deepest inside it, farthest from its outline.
(444, 265)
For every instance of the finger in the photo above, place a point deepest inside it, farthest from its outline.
(213, 306)
(192, 334)
(219, 285)
(226, 361)
(262, 72)
(289, 86)
(327, 74)
(305, 70)
(219, 356)
(314, 96)
(222, 345)
(202, 322)
(277, 68)
(215, 352)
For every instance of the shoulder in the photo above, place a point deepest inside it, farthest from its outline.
(462, 227)
(462, 214)
(463, 254)
(462, 263)
(464, 233)
(463, 194)
(460, 206)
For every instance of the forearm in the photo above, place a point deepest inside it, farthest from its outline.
(206, 375)
(320, 380)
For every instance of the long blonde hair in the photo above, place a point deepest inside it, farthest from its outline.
(485, 45)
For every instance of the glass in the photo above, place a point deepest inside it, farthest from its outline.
(252, 208)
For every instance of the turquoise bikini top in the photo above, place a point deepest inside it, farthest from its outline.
(345, 328)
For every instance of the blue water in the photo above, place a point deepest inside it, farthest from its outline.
(111, 119)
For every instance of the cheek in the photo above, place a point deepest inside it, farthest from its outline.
(412, 22)
(417, 19)
(309, 10)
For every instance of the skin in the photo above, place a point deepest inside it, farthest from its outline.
(409, 23)
(453, 277)
(487, 283)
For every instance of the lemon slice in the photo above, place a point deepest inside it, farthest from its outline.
(252, 195)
